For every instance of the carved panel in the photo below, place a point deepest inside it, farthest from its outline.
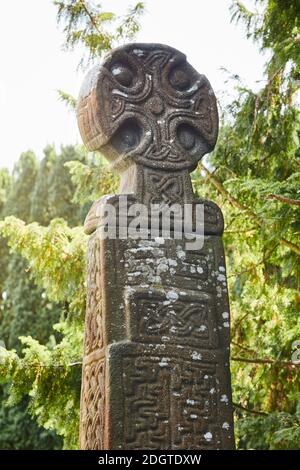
(172, 318)
(94, 317)
(157, 313)
(146, 409)
(170, 404)
(93, 406)
(147, 104)
(163, 188)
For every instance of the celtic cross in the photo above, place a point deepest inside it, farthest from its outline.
(156, 362)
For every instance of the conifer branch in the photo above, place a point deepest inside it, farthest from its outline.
(219, 186)
(254, 412)
(263, 361)
(292, 202)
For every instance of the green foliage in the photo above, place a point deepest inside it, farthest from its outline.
(278, 431)
(253, 175)
(23, 314)
(92, 179)
(20, 431)
(52, 382)
(55, 256)
(273, 23)
(62, 189)
(5, 184)
(255, 180)
(43, 227)
(68, 99)
(5, 181)
(39, 208)
(24, 177)
(85, 24)
(26, 309)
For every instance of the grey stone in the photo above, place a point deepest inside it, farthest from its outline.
(156, 363)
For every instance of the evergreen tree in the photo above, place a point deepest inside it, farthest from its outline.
(95, 30)
(40, 209)
(254, 176)
(5, 183)
(24, 177)
(255, 179)
(25, 308)
(50, 370)
(61, 189)
(19, 430)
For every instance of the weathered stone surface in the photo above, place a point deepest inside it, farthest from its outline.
(145, 104)
(156, 365)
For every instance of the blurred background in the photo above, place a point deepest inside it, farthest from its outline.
(250, 52)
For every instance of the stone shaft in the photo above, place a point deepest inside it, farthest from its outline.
(156, 366)
(156, 360)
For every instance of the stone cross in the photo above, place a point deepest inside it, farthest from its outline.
(156, 360)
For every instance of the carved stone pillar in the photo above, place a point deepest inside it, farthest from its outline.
(156, 363)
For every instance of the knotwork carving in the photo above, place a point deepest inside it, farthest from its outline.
(94, 318)
(93, 406)
(146, 104)
(146, 107)
(156, 362)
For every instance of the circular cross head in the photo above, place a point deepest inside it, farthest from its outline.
(146, 104)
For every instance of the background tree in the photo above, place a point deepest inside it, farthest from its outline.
(5, 183)
(25, 307)
(21, 311)
(44, 289)
(97, 31)
(254, 176)
(40, 209)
